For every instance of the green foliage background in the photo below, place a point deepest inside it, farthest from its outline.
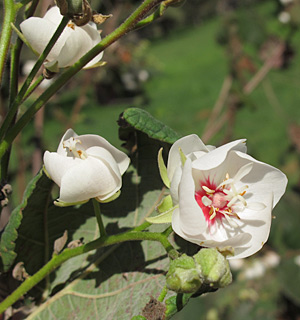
(187, 68)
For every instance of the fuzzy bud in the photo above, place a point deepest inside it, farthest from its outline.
(183, 276)
(214, 267)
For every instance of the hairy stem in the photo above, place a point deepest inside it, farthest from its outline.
(124, 28)
(67, 254)
(14, 107)
(99, 218)
(163, 294)
(9, 17)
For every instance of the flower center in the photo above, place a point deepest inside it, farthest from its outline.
(218, 202)
(71, 145)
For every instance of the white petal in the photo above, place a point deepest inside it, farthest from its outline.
(175, 184)
(237, 241)
(191, 218)
(258, 224)
(217, 156)
(188, 144)
(68, 134)
(53, 15)
(38, 32)
(90, 140)
(76, 45)
(94, 34)
(58, 165)
(262, 180)
(256, 206)
(91, 178)
(105, 156)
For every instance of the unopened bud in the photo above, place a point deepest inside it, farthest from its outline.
(183, 276)
(79, 10)
(214, 267)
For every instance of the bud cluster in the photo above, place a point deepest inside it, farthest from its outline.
(206, 268)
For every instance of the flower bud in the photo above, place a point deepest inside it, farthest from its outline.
(70, 7)
(183, 275)
(214, 267)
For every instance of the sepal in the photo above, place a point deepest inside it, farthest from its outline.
(60, 203)
(163, 169)
(112, 198)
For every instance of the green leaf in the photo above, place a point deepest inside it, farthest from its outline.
(176, 303)
(114, 282)
(145, 122)
(34, 199)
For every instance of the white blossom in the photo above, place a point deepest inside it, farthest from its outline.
(222, 196)
(73, 43)
(85, 167)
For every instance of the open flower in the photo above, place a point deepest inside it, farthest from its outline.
(86, 167)
(73, 43)
(223, 196)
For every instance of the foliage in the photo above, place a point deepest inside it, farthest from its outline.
(187, 67)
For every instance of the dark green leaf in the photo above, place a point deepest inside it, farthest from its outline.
(175, 303)
(109, 283)
(34, 200)
(145, 122)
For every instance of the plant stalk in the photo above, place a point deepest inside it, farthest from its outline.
(97, 211)
(9, 17)
(67, 254)
(124, 28)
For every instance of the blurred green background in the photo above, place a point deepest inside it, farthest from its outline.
(223, 70)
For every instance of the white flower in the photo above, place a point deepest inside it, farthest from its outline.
(286, 2)
(73, 43)
(222, 196)
(284, 17)
(85, 167)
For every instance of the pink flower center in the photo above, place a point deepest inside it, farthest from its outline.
(217, 202)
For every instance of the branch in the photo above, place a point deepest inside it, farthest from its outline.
(124, 28)
(67, 254)
(9, 17)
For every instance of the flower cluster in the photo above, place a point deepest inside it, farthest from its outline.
(222, 196)
(86, 167)
(73, 43)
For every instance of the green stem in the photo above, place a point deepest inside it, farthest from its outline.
(163, 294)
(14, 107)
(30, 90)
(155, 15)
(13, 90)
(14, 80)
(124, 28)
(99, 218)
(67, 254)
(9, 17)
